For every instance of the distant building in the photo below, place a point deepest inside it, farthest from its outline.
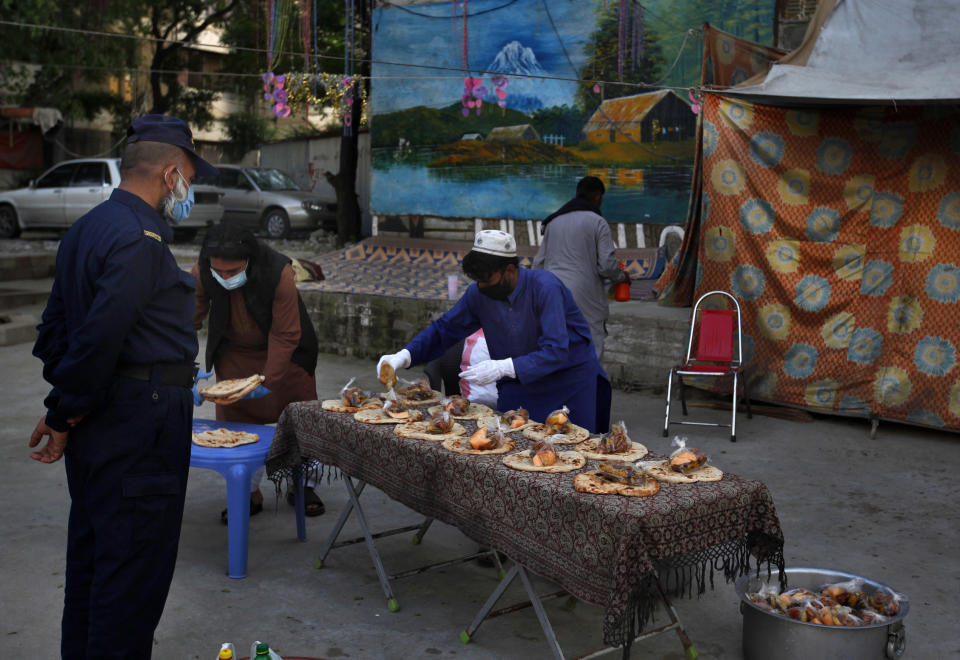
(471, 136)
(651, 117)
(516, 133)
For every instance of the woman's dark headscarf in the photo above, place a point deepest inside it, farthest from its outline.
(228, 242)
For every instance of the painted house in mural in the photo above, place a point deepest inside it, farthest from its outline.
(518, 133)
(471, 136)
(651, 117)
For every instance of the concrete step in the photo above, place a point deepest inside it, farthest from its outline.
(23, 293)
(19, 326)
(31, 265)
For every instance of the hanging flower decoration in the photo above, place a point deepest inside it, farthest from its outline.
(473, 93)
(327, 89)
(273, 90)
(696, 101)
(500, 89)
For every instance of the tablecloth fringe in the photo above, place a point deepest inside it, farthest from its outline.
(678, 576)
(312, 470)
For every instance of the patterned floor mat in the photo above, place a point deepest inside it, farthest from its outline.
(419, 268)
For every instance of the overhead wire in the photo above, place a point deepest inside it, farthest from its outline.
(412, 65)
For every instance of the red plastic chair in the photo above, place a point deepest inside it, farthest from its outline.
(715, 330)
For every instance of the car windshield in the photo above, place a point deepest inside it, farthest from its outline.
(272, 180)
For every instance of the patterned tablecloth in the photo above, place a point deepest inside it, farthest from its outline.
(605, 549)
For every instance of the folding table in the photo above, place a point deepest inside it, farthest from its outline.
(606, 550)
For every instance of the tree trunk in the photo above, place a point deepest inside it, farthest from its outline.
(349, 218)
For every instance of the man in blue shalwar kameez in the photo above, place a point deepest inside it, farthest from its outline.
(541, 350)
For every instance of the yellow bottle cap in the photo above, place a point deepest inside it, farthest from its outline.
(226, 654)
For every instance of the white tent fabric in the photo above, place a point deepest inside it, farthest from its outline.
(869, 51)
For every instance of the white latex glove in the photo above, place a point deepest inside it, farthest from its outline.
(489, 371)
(398, 361)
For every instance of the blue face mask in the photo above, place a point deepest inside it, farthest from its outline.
(181, 210)
(231, 283)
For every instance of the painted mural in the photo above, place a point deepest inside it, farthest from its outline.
(495, 108)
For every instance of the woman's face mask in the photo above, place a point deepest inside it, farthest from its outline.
(232, 282)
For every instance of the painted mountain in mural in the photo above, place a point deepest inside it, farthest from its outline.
(525, 94)
(516, 58)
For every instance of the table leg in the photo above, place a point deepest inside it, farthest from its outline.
(541, 614)
(467, 634)
(392, 603)
(422, 531)
(298, 503)
(238, 518)
(689, 649)
(341, 521)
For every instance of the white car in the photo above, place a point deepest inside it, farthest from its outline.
(59, 196)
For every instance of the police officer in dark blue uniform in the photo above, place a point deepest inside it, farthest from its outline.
(118, 346)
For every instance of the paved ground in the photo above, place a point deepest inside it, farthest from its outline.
(883, 508)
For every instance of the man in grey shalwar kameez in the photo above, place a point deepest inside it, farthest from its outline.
(577, 247)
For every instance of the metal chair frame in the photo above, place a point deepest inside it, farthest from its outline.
(733, 368)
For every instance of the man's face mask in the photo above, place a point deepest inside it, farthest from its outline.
(176, 198)
(499, 291)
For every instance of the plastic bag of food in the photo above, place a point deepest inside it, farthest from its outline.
(489, 435)
(616, 441)
(516, 418)
(885, 602)
(456, 405)
(558, 421)
(388, 375)
(416, 390)
(393, 408)
(621, 471)
(686, 460)
(543, 453)
(440, 422)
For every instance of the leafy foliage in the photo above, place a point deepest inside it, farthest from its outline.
(247, 130)
(560, 120)
(602, 63)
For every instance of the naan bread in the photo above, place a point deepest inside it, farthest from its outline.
(537, 432)
(474, 411)
(591, 449)
(232, 390)
(435, 397)
(419, 431)
(337, 405)
(592, 482)
(376, 416)
(661, 472)
(567, 461)
(224, 438)
(461, 445)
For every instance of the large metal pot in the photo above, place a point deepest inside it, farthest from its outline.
(767, 635)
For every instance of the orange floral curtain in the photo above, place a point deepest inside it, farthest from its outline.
(838, 230)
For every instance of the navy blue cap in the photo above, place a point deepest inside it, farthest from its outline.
(169, 130)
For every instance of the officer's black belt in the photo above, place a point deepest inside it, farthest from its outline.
(171, 373)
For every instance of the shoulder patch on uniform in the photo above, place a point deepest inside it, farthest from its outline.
(152, 235)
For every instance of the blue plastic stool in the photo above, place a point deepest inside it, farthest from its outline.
(237, 465)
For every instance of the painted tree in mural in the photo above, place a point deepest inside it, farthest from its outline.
(614, 55)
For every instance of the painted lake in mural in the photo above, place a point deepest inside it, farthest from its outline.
(405, 184)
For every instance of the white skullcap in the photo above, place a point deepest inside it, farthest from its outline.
(495, 242)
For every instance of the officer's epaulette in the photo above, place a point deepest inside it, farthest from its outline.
(152, 235)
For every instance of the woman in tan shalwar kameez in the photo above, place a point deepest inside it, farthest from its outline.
(257, 325)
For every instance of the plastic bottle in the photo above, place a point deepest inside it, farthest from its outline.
(621, 290)
(262, 651)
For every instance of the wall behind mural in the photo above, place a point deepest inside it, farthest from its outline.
(495, 108)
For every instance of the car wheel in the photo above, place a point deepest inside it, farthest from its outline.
(276, 223)
(9, 228)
